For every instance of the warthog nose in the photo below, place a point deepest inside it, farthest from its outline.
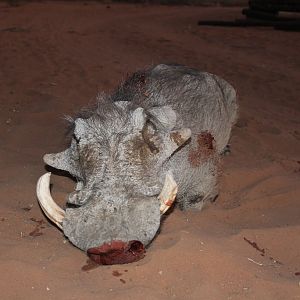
(117, 252)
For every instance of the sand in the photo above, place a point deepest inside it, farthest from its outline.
(55, 57)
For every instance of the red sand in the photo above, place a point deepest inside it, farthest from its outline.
(54, 57)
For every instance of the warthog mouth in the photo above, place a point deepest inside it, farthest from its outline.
(57, 214)
(115, 252)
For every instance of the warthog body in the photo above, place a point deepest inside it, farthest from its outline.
(169, 119)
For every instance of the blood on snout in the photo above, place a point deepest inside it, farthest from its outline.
(117, 252)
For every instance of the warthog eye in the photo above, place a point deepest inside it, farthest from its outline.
(76, 138)
(150, 137)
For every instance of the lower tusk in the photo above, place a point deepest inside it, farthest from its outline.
(49, 207)
(168, 193)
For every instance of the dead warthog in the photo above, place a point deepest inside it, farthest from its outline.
(157, 137)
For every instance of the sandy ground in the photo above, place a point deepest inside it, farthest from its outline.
(54, 57)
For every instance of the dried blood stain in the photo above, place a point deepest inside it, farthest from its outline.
(255, 246)
(90, 265)
(262, 251)
(205, 149)
(116, 273)
(117, 252)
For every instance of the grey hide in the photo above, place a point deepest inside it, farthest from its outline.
(122, 148)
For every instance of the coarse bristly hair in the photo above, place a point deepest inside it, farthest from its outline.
(167, 119)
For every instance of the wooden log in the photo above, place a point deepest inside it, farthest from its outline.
(261, 15)
(236, 23)
(219, 23)
(258, 14)
(254, 23)
(275, 6)
(290, 2)
(262, 6)
(289, 26)
(284, 25)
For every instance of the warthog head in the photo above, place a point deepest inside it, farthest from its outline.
(117, 154)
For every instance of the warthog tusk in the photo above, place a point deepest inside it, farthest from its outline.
(168, 193)
(49, 207)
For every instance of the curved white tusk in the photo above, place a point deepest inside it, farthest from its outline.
(168, 193)
(49, 207)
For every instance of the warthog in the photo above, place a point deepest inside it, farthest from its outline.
(159, 135)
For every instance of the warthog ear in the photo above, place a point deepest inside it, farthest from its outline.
(164, 117)
(80, 128)
(66, 160)
(138, 118)
(122, 104)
